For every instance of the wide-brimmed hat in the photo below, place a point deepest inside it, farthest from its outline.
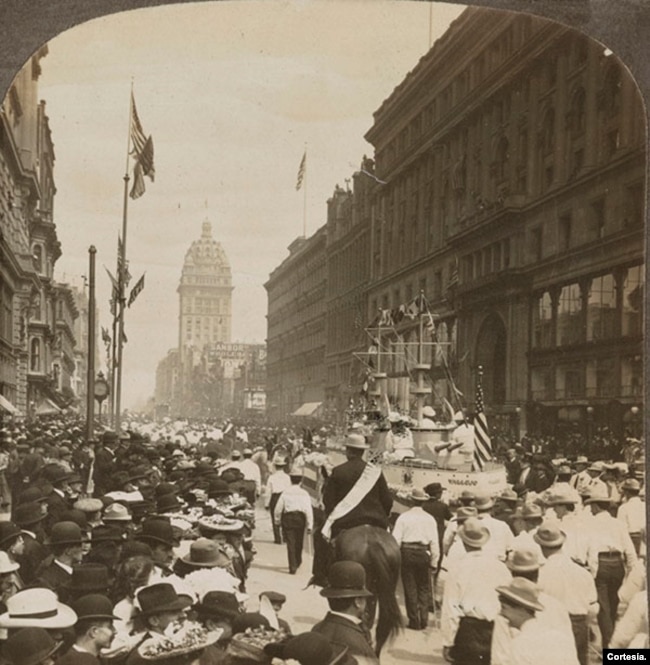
(157, 531)
(523, 560)
(307, 649)
(66, 533)
(37, 607)
(8, 530)
(116, 512)
(531, 511)
(204, 553)
(296, 472)
(483, 503)
(468, 495)
(224, 525)
(219, 604)
(347, 579)
(6, 564)
(549, 534)
(274, 597)
(631, 485)
(509, 495)
(598, 496)
(94, 606)
(358, 441)
(29, 646)
(559, 498)
(279, 461)
(473, 533)
(596, 466)
(522, 592)
(88, 505)
(581, 459)
(161, 597)
(465, 512)
(418, 495)
(88, 577)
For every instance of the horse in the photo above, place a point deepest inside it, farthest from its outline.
(378, 552)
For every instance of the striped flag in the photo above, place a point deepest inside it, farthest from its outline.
(139, 285)
(142, 152)
(482, 442)
(301, 171)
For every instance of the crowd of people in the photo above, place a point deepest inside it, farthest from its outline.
(137, 547)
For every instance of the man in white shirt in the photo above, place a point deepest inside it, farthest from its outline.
(533, 643)
(610, 553)
(470, 603)
(276, 484)
(570, 583)
(581, 479)
(294, 512)
(416, 532)
(501, 536)
(632, 511)
(251, 471)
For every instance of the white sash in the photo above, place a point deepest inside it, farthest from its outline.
(353, 498)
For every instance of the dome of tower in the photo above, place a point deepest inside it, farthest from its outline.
(206, 255)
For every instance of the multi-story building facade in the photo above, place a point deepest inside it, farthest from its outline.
(510, 185)
(80, 377)
(296, 325)
(63, 349)
(28, 244)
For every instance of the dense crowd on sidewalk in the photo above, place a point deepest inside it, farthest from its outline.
(137, 546)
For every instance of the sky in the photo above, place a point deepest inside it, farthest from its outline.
(232, 93)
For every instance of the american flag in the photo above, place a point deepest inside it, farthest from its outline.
(301, 171)
(482, 442)
(142, 152)
(139, 285)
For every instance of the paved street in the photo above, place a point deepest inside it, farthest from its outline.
(304, 606)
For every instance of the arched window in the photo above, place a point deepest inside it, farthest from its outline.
(35, 355)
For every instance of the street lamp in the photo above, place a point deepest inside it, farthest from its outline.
(518, 422)
(635, 421)
(590, 426)
(100, 391)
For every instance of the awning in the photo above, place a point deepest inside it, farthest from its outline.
(307, 409)
(8, 406)
(47, 408)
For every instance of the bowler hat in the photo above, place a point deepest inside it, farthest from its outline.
(165, 488)
(522, 592)
(347, 579)
(76, 516)
(433, 488)
(110, 437)
(247, 452)
(473, 533)
(29, 646)
(94, 606)
(157, 531)
(66, 533)
(203, 468)
(161, 597)
(138, 473)
(36, 607)
(88, 577)
(55, 473)
(168, 503)
(35, 493)
(204, 553)
(357, 441)
(106, 533)
(549, 534)
(524, 560)
(8, 530)
(218, 487)
(219, 604)
(116, 512)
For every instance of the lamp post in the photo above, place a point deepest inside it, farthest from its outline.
(635, 421)
(590, 426)
(518, 423)
(100, 391)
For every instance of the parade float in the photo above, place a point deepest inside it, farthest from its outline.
(440, 448)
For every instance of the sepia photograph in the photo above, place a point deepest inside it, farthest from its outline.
(322, 332)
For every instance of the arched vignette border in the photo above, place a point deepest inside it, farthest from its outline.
(621, 25)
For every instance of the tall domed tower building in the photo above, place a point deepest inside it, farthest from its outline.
(205, 294)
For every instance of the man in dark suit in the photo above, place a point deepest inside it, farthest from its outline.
(29, 518)
(373, 508)
(346, 596)
(58, 502)
(67, 548)
(105, 463)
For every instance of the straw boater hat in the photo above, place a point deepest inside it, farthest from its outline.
(418, 496)
(347, 579)
(522, 592)
(473, 533)
(355, 440)
(37, 607)
(549, 534)
(116, 512)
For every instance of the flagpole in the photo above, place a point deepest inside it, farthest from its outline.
(120, 277)
(304, 205)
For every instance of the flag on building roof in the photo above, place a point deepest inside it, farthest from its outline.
(301, 171)
(142, 152)
(139, 285)
(482, 442)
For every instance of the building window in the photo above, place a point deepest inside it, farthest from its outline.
(536, 244)
(502, 160)
(596, 220)
(437, 284)
(577, 114)
(569, 316)
(634, 205)
(633, 301)
(571, 381)
(602, 379)
(6, 315)
(601, 308)
(632, 376)
(542, 382)
(543, 322)
(38, 259)
(35, 355)
(548, 132)
(565, 231)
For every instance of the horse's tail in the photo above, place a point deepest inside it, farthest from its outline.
(386, 573)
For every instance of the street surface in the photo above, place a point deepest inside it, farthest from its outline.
(305, 607)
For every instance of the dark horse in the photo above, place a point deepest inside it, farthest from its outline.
(379, 553)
